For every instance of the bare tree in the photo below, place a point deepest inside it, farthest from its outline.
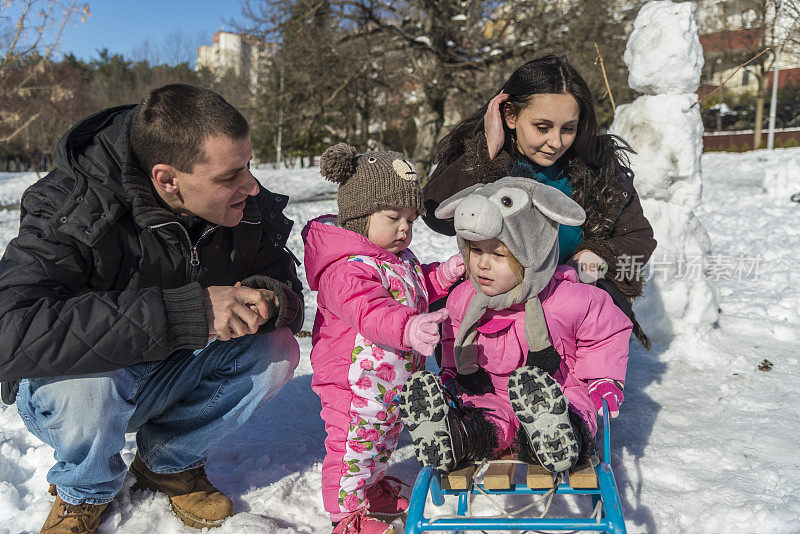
(439, 50)
(743, 29)
(779, 22)
(36, 143)
(29, 33)
(176, 47)
(317, 86)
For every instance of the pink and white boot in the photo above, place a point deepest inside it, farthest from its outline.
(384, 501)
(359, 522)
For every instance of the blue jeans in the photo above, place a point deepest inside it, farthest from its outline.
(179, 408)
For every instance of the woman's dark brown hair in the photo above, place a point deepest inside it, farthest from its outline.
(550, 74)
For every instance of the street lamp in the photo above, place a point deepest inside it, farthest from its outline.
(773, 104)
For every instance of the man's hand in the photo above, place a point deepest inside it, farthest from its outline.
(235, 311)
(272, 305)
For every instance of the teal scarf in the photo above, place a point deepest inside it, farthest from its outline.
(569, 237)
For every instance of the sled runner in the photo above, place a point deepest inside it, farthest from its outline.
(596, 481)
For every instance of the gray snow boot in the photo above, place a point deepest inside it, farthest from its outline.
(541, 407)
(443, 431)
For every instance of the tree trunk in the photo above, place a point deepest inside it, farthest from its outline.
(759, 119)
(430, 119)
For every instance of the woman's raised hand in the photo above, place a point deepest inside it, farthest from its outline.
(493, 125)
(589, 265)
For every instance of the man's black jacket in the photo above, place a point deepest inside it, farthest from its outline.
(102, 276)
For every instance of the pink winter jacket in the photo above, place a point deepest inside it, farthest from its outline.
(352, 297)
(589, 332)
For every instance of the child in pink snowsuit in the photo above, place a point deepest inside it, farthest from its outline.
(371, 329)
(526, 384)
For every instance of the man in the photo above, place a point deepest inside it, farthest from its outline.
(149, 291)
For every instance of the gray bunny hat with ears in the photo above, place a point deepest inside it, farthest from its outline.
(524, 215)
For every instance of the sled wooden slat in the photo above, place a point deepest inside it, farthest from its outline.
(583, 476)
(538, 477)
(459, 479)
(499, 476)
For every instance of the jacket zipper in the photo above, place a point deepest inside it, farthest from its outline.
(194, 255)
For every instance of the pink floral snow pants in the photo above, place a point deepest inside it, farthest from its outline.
(362, 422)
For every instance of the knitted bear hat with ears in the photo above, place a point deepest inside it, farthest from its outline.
(369, 182)
(524, 215)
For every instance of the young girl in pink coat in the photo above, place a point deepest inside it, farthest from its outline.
(371, 330)
(531, 350)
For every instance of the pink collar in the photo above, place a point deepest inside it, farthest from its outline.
(498, 320)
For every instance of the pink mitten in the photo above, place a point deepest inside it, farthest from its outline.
(451, 270)
(605, 388)
(422, 331)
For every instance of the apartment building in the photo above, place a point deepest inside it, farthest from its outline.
(233, 52)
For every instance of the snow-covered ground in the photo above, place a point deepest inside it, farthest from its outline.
(706, 442)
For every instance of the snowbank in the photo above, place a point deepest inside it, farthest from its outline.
(12, 185)
(783, 179)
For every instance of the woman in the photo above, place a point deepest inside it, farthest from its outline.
(542, 125)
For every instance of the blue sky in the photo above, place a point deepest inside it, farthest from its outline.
(148, 27)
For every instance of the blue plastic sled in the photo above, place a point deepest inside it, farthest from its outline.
(604, 498)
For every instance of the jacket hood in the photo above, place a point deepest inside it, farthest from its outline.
(85, 195)
(326, 243)
(563, 272)
(97, 147)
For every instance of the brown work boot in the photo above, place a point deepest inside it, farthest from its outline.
(65, 518)
(194, 499)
